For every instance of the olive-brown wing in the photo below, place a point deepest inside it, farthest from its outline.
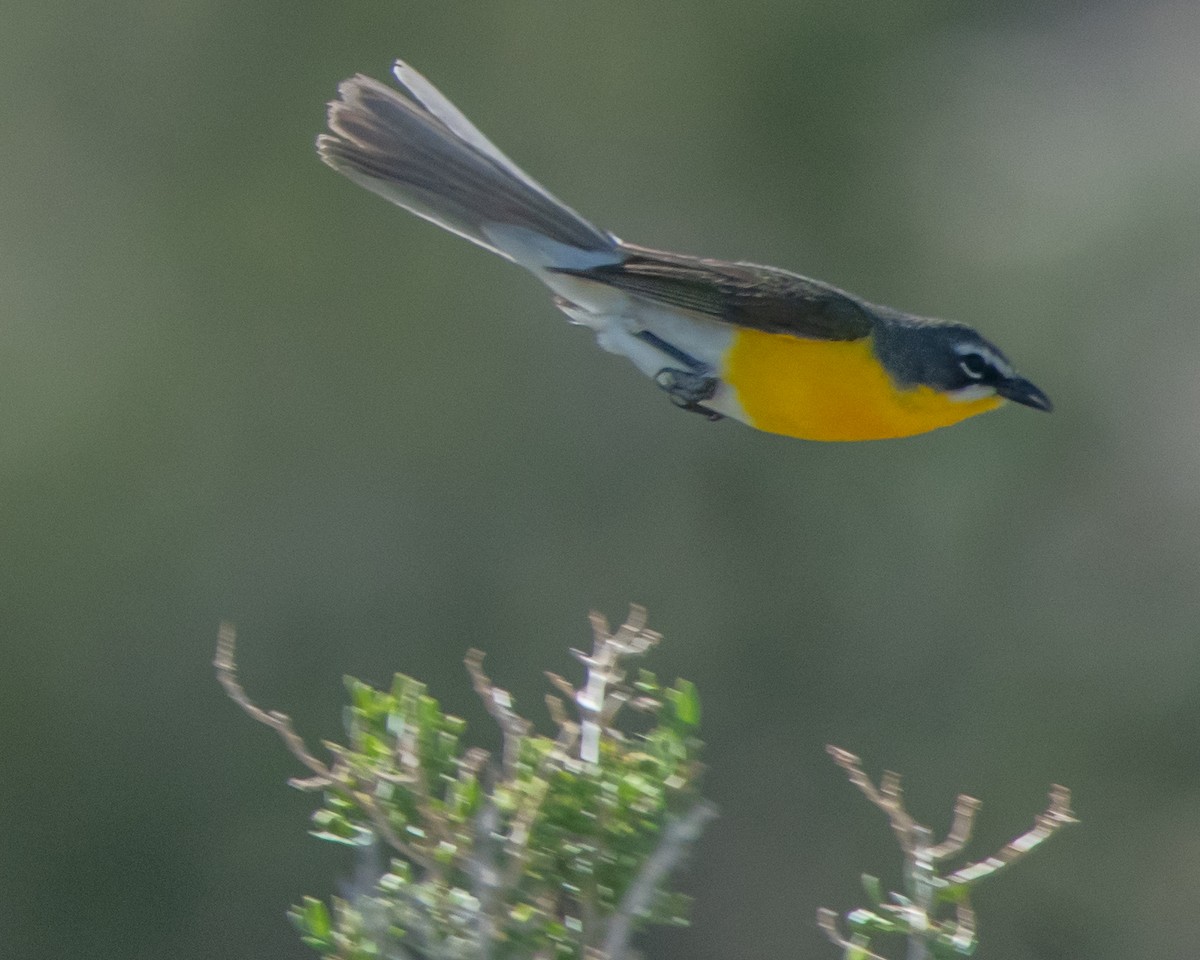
(740, 294)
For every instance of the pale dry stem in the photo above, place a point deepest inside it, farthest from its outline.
(921, 856)
(325, 776)
(281, 723)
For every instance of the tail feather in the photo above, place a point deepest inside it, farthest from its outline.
(420, 152)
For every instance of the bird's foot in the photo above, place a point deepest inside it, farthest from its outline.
(688, 390)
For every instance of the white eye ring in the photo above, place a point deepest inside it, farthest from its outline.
(978, 362)
(974, 365)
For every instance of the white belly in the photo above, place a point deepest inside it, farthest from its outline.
(617, 318)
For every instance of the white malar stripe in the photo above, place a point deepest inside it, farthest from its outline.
(974, 391)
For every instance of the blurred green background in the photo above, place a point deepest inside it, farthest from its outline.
(233, 385)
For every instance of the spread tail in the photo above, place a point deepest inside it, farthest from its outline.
(420, 152)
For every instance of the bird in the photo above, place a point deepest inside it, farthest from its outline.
(778, 351)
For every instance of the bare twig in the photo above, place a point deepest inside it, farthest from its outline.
(827, 920)
(568, 729)
(281, 723)
(325, 776)
(963, 937)
(562, 684)
(679, 835)
(965, 809)
(888, 796)
(513, 727)
(1056, 816)
(924, 886)
(485, 878)
(601, 696)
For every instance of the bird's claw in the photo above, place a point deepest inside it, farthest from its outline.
(688, 390)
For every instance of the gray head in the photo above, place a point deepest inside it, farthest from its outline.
(951, 358)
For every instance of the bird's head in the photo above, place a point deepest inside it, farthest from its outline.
(952, 359)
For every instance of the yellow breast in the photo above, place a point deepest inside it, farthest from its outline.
(832, 390)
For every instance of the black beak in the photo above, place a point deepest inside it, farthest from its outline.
(1019, 390)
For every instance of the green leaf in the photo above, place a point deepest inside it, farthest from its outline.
(954, 893)
(522, 912)
(862, 921)
(686, 703)
(312, 920)
(858, 949)
(316, 918)
(428, 713)
(873, 889)
(646, 684)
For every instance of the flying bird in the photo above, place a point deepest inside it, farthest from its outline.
(773, 349)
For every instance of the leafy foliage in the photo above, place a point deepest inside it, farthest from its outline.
(544, 852)
(562, 846)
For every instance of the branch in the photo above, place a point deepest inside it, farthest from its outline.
(677, 838)
(1056, 816)
(597, 703)
(915, 912)
(888, 796)
(513, 727)
(965, 809)
(485, 880)
(568, 729)
(324, 776)
(281, 723)
(827, 920)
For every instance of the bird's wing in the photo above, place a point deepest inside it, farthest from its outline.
(740, 294)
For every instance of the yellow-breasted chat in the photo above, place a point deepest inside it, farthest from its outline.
(770, 348)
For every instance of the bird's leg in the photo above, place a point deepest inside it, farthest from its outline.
(688, 389)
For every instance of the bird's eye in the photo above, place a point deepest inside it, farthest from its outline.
(974, 365)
